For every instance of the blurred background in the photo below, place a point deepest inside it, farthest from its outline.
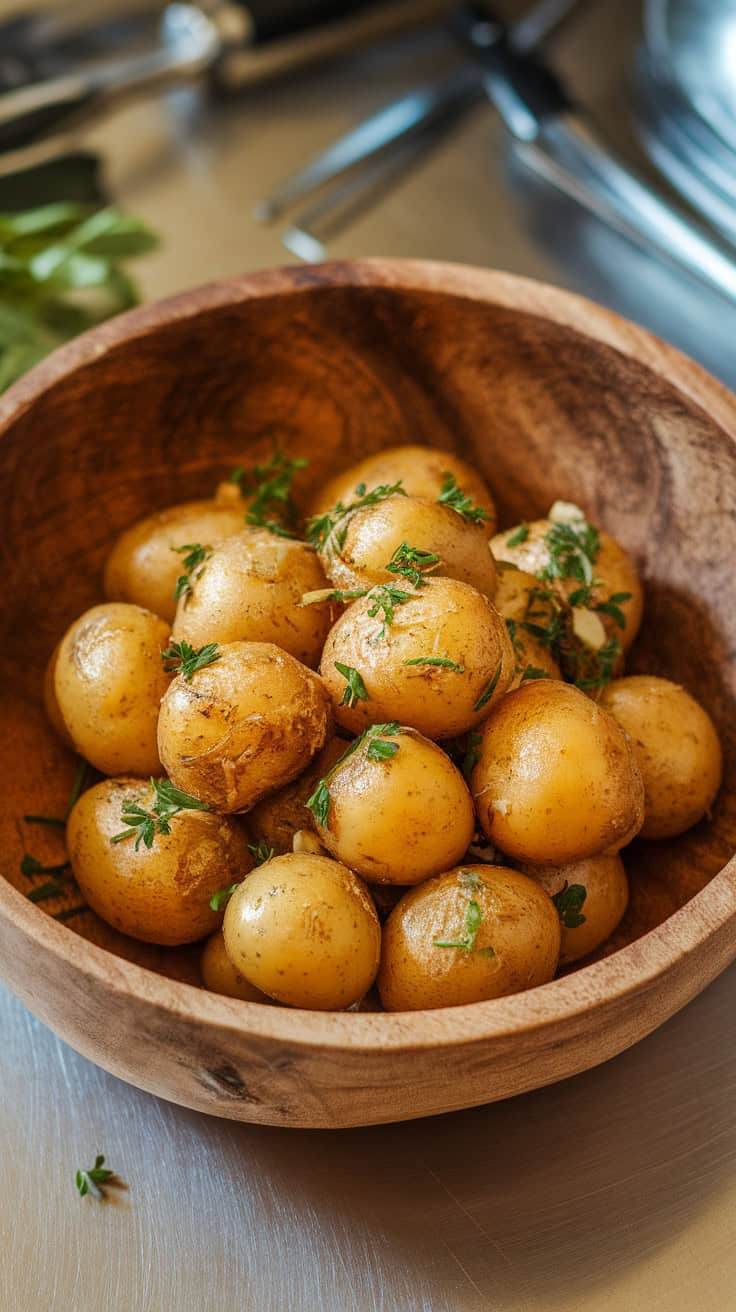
(589, 144)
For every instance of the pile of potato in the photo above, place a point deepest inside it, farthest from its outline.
(440, 809)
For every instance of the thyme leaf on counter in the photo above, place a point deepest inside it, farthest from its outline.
(91, 1181)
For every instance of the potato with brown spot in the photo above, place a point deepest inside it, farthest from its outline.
(557, 779)
(362, 544)
(147, 559)
(422, 471)
(109, 680)
(220, 976)
(304, 930)
(438, 666)
(159, 894)
(474, 933)
(605, 899)
(243, 726)
(527, 547)
(677, 747)
(250, 590)
(399, 818)
(277, 818)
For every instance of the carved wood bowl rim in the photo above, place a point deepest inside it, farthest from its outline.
(596, 988)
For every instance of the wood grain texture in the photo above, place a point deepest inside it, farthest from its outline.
(550, 397)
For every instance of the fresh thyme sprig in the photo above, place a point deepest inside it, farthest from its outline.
(569, 903)
(573, 550)
(489, 690)
(453, 496)
(330, 526)
(90, 1182)
(518, 536)
(472, 923)
(269, 486)
(219, 899)
(168, 802)
(413, 563)
(377, 748)
(30, 866)
(442, 661)
(183, 659)
(355, 689)
(472, 753)
(385, 597)
(533, 672)
(196, 555)
(331, 594)
(261, 852)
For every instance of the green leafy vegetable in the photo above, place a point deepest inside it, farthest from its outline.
(377, 749)
(355, 689)
(186, 660)
(60, 274)
(453, 496)
(443, 661)
(413, 563)
(90, 1182)
(518, 536)
(488, 691)
(196, 555)
(569, 902)
(168, 802)
(322, 528)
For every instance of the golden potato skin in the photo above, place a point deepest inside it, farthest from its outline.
(519, 923)
(50, 703)
(557, 779)
(512, 600)
(276, 818)
(250, 590)
(220, 976)
(304, 930)
(143, 566)
(374, 533)
(421, 470)
(109, 681)
(606, 899)
(677, 747)
(159, 894)
(613, 566)
(445, 619)
(243, 726)
(401, 820)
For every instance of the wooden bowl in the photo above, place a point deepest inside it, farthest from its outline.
(550, 397)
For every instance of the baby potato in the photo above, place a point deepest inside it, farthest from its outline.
(528, 547)
(396, 818)
(277, 818)
(243, 726)
(109, 681)
(250, 589)
(677, 747)
(304, 930)
(592, 896)
(375, 533)
(148, 558)
(159, 894)
(557, 778)
(477, 932)
(220, 976)
(438, 665)
(422, 471)
(50, 703)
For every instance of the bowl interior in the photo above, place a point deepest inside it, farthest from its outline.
(333, 369)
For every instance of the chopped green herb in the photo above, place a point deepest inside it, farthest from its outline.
(473, 922)
(237, 475)
(413, 563)
(569, 903)
(543, 617)
(58, 822)
(320, 528)
(612, 606)
(355, 689)
(89, 1182)
(261, 852)
(331, 594)
(269, 486)
(29, 866)
(488, 691)
(168, 802)
(472, 754)
(518, 536)
(385, 597)
(604, 664)
(453, 496)
(196, 556)
(516, 642)
(42, 892)
(221, 898)
(533, 672)
(377, 749)
(186, 660)
(573, 551)
(443, 661)
(55, 821)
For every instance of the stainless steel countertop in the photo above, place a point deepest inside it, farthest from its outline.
(613, 1191)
